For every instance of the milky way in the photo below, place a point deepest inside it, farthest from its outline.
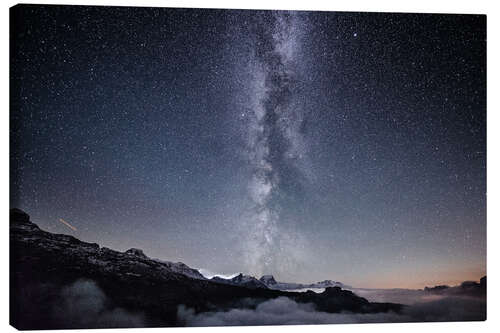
(273, 132)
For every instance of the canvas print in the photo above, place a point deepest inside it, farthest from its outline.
(215, 167)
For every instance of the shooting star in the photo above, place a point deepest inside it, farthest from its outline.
(67, 224)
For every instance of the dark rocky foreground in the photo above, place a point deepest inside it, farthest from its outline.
(43, 265)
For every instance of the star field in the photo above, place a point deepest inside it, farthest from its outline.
(308, 145)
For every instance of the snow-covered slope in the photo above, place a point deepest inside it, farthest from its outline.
(241, 280)
(271, 283)
(182, 268)
(327, 283)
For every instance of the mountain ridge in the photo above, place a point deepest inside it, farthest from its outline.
(44, 265)
(271, 283)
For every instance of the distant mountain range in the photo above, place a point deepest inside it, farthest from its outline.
(45, 270)
(466, 288)
(268, 281)
(241, 280)
(271, 283)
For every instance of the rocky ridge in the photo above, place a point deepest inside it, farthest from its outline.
(43, 265)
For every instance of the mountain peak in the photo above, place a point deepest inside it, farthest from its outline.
(241, 280)
(136, 252)
(327, 283)
(21, 221)
(18, 215)
(267, 280)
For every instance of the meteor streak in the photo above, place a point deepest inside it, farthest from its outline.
(67, 224)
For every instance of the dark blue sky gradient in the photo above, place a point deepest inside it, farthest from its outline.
(140, 127)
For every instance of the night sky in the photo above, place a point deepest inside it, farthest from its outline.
(308, 145)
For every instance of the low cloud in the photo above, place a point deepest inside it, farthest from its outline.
(284, 311)
(84, 305)
(279, 311)
(453, 308)
(401, 296)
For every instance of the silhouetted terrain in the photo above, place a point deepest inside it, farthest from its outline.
(58, 281)
(466, 288)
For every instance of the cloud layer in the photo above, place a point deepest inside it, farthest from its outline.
(84, 305)
(284, 311)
